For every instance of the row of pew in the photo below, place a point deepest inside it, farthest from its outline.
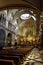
(11, 56)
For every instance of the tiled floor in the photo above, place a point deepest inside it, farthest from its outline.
(33, 58)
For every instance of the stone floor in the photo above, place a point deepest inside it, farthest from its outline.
(34, 58)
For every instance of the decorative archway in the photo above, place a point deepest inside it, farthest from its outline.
(9, 39)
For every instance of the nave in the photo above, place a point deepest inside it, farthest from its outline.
(21, 32)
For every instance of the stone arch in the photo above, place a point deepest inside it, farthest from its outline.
(9, 39)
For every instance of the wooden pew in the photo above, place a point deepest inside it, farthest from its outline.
(20, 56)
(16, 53)
(16, 59)
(6, 62)
(22, 52)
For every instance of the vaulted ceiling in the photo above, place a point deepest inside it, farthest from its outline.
(36, 4)
(18, 7)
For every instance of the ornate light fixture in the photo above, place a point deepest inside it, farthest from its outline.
(25, 16)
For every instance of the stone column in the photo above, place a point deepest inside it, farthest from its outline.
(41, 36)
(37, 28)
(37, 24)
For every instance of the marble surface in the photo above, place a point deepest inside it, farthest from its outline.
(34, 58)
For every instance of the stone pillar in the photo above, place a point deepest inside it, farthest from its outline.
(37, 28)
(37, 24)
(41, 36)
